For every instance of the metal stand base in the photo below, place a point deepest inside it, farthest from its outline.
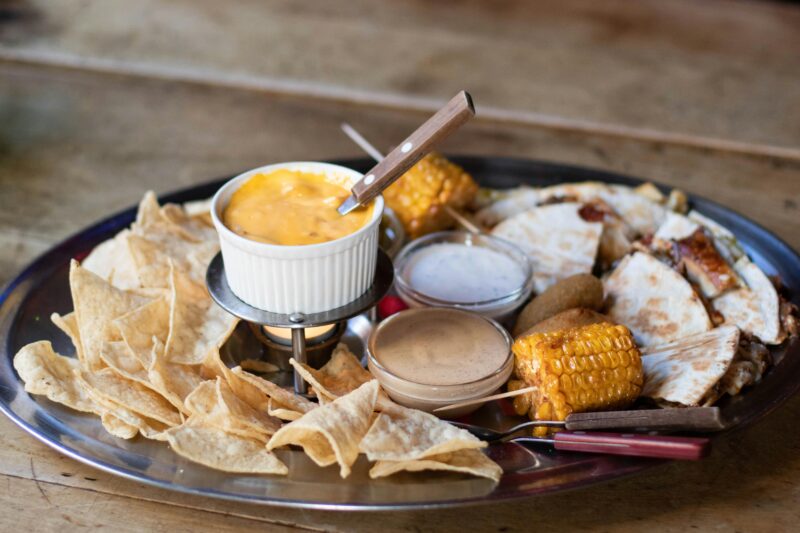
(221, 292)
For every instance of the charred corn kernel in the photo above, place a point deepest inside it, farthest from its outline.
(419, 196)
(522, 403)
(589, 368)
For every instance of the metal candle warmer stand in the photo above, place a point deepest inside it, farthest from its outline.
(222, 294)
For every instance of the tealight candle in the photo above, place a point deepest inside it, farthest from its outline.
(313, 334)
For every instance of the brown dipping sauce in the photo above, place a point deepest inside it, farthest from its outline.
(438, 346)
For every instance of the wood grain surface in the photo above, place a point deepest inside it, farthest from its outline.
(574, 63)
(101, 100)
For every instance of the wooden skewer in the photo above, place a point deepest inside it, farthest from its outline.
(461, 219)
(362, 143)
(509, 394)
(375, 154)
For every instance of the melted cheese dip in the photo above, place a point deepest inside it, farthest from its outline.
(291, 208)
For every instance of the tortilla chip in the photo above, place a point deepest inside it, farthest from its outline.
(200, 210)
(217, 449)
(206, 402)
(69, 325)
(118, 357)
(213, 367)
(281, 397)
(139, 327)
(53, 375)
(239, 410)
(755, 309)
(654, 301)
(281, 411)
(403, 434)
(471, 462)
(554, 254)
(684, 371)
(112, 261)
(341, 375)
(147, 427)
(118, 427)
(197, 325)
(256, 365)
(188, 227)
(131, 395)
(331, 433)
(174, 382)
(152, 218)
(97, 303)
(149, 211)
(153, 253)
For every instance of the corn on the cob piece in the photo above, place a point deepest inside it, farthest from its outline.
(588, 368)
(419, 196)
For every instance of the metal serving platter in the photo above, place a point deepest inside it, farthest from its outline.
(41, 289)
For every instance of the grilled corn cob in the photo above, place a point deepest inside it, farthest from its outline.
(588, 368)
(419, 196)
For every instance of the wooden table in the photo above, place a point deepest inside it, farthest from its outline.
(101, 100)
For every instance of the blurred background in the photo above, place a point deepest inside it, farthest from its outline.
(103, 99)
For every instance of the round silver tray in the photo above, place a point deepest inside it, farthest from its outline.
(42, 288)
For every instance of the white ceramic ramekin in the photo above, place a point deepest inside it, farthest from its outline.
(298, 279)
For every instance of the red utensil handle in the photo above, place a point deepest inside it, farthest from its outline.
(686, 448)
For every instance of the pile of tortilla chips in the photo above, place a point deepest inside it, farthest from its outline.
(147, 338)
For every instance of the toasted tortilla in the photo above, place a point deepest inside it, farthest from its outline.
(755, 308)
(112, 261)
(201, 442)
(687, 370)
(97, 303)
(332, 432)
(341, 375)
(53, 375)
(654, 301)
(403, 434)
(676, 227)
(555, 254)
(641, 213)
(467, 461)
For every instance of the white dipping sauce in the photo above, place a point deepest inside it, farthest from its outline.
(460, 273)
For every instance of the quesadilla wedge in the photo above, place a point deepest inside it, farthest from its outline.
(654, 301)
(676, 227)
(687, 371)
(642, 214)
(559, 242)
(755, 308)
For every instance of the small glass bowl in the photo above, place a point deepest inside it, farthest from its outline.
(391, 236)
(426, 397)
(497, 308)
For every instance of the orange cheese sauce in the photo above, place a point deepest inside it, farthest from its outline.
(291, 208)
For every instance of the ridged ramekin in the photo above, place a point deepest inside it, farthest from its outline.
(298, 279)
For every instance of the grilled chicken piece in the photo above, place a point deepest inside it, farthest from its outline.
(704, 265)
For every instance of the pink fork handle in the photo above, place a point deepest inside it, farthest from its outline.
(686, 448)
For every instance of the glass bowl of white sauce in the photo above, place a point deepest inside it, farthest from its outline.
(461, 270)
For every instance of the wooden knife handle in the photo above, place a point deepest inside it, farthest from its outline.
(686, 448)
(447, 120)
(671, 419)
